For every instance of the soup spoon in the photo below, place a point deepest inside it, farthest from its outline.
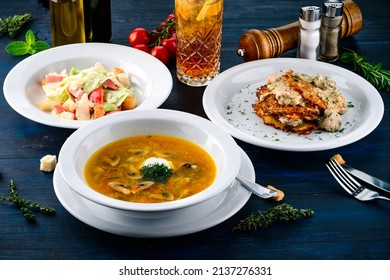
(255, 188)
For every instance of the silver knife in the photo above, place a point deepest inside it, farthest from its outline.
(371, 180)
(255, 188)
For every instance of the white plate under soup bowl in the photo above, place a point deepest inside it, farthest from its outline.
(80, 146)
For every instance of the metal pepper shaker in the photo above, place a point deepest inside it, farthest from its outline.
(332, 17)
(309, 32)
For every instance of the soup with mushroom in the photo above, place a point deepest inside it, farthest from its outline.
(150, 169)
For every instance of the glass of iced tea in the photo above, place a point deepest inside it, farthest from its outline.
(199, 36)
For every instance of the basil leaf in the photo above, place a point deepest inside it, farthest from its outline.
(17, 48)
(40, 46)
(30, 38)
(30, 46)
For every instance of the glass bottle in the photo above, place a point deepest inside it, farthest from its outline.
(309, 32)
(332, 17)
(97, 14)
(67, 22)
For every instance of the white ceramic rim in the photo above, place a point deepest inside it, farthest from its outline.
(150, 77)
(364, 117)
(215, 136)
(222, 206)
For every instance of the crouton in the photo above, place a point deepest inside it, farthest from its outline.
(47, 105)
(48, 163)
(98, 111)
(129, 103)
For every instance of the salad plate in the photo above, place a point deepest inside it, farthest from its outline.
(181, 222)
(150, 78)
(228, 101)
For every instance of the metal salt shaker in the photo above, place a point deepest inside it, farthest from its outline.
(332, 17)
(309, 32)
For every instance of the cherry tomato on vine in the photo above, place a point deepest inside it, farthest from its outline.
(139, 36)
(161, 53)
(170, 44)
(170, 16)
(163, 24)
(154, 35)
(172, 33)
(142, 47)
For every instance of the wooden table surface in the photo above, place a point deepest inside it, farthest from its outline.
(342, 227)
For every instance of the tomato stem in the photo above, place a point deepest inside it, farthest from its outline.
(163, 31)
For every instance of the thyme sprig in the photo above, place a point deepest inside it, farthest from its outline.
(263, 219)
(26, 206)
(11, 25)
(378, 77)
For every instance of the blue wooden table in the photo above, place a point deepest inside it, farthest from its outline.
(342, 227)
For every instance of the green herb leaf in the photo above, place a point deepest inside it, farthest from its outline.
(30, 38)
(30, 46)
(11, 25)
(17, 48)
(156, 172)
(25, 206)
(378, 77)
(41, 46)
(263, 219)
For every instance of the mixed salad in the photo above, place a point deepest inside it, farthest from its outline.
(87, 94)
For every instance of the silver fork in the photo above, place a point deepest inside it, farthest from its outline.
(349, 184)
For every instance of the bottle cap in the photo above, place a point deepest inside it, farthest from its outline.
(310, 13)
(332, 8)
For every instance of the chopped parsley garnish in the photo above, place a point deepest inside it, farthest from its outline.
(156, 172)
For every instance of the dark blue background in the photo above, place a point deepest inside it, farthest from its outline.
(342, 228)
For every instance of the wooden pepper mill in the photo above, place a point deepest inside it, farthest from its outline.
(257, 44)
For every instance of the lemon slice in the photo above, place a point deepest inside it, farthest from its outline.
(183, 8)
(210, 8)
